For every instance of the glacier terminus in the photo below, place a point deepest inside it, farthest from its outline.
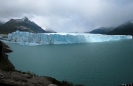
(27, 38)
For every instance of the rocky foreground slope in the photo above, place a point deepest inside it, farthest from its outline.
(11, 77)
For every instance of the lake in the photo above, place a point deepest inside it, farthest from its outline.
(90, 64)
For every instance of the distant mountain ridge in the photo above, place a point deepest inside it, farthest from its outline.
(49, 30)
(23, 24)
(102, 30)
(1, 23)
(123, 29)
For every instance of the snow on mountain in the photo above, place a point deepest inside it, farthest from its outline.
(49, 30)
(26, 38)
(24, 18)
(23, 24)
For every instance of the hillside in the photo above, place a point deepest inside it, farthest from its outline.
(1, 23)
(123, 29)
(101, 30)
(23, 24)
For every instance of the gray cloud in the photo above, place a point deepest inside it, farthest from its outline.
(69, 15)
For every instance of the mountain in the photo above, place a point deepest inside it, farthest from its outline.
(1, 23)
(101, 30)
(124, 29)
(23, 24)
(49, 30)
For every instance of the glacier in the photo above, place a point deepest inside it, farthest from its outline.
(26, 38)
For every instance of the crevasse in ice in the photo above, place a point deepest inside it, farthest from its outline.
(26, 38)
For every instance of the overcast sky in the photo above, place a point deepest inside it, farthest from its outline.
(69, 15)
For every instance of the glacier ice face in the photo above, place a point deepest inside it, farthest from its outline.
(26, 38)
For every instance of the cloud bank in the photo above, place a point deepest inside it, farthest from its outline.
(69, 15)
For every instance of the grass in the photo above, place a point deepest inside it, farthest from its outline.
(53, 80)
(29, 73)
(62, 83)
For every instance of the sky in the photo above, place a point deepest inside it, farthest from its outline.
(69, 15)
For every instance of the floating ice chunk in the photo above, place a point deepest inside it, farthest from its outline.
(26, 38)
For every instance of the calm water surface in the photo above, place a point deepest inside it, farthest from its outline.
(92, 64)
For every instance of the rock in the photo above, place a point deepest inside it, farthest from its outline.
(20, 79)
(1, 76)
(52, 85)
(7, 50)
(5, 64)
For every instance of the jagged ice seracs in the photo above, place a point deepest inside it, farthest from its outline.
(26, 38)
